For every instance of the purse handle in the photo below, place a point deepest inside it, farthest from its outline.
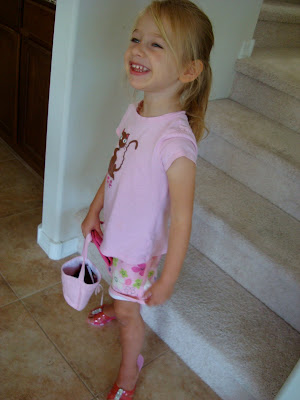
(87, 241)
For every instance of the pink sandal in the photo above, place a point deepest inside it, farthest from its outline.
(98, 317)
(116, 393)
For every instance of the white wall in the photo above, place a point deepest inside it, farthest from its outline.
(88, 97)
(234, 22)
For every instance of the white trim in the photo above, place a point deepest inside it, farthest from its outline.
(56, 250)
(246, 49)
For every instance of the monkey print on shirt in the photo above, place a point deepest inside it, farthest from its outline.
(122, 145)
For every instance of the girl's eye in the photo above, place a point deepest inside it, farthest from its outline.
(156, 45)
(134, 40)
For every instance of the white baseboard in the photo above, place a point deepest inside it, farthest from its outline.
(56, 250)
(246, 49)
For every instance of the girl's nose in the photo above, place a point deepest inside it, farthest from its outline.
(139, 50)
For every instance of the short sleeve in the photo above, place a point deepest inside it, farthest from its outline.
(177, 147)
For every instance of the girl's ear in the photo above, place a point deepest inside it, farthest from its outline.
(191, 72)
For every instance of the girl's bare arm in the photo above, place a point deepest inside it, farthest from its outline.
(181, 179)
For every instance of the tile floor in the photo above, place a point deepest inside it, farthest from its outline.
(47, 350)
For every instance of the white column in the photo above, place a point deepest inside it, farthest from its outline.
(65, 34)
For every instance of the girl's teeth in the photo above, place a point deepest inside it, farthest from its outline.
(139, 68)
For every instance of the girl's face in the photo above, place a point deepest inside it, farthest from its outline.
(149, 62)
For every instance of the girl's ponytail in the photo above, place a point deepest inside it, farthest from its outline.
(194, 100)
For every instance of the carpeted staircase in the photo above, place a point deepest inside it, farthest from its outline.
(235, 315)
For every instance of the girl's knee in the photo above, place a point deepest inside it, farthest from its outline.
(126, 311)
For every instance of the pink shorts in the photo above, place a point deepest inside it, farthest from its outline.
(129, 282)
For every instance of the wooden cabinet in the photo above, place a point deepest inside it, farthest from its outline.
(9, 82)
(11, 13)
(10, 18)
(35, 66)
(33, 100)
(26, 32)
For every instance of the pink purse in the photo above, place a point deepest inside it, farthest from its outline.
(80, 279)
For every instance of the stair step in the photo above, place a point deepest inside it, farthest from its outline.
(266, 100)
(256, 151)
(276, 34)
(276, 11)
(278, 25)
(289, 1)
(277, 68)
(249, 238)
(268, 82)
(228, 337)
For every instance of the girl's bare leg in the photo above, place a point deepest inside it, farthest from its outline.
(109, 310)
(132, 329)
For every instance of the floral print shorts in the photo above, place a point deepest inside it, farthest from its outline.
(129, 282)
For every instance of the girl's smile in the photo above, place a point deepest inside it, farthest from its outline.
(138, 69)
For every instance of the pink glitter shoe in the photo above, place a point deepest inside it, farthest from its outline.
(98, 318)
(116, 393)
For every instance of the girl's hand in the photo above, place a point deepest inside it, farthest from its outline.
(91, 222)
(158, 293)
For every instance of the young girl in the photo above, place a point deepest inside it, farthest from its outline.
(151, 175)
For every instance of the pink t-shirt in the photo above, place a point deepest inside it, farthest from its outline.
(136, 202)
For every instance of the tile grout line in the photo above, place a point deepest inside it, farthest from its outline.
(20, 159)
(57, 348)
(8, 304)
(19, 298)
(22, 212)
(158, 356)
(39, 291)
(8, 159)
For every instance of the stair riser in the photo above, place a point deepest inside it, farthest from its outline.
(290, 1)
(267, 101)
(276, 34)
(258, 274)
(282, 190)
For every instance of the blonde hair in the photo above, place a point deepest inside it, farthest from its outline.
(194, 40)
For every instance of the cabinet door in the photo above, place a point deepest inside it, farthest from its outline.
(9, 77)
(33, 102)
(38, 22)
(10, 13)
